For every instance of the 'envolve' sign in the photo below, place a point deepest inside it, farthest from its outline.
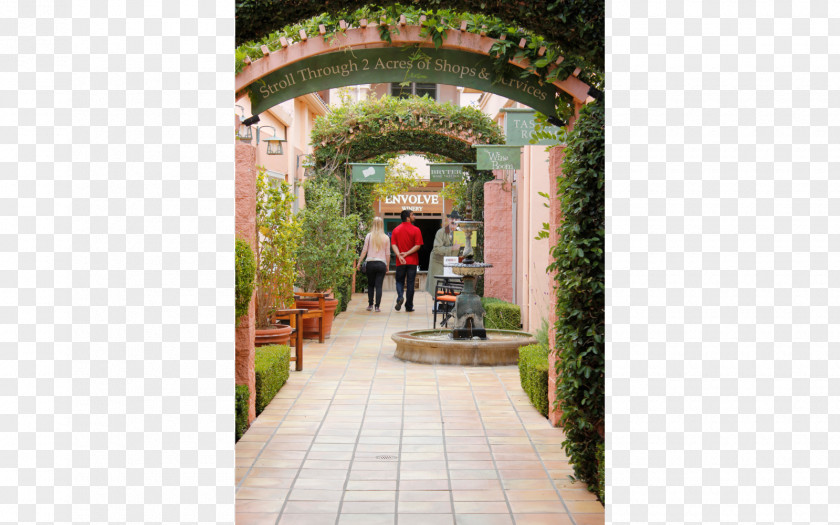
(446, 172)
(497, 157)
(519, 128)
(368, 172)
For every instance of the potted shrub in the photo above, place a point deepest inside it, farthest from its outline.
(278, 232)
(327, 250)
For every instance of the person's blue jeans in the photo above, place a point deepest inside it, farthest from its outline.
(406, 274)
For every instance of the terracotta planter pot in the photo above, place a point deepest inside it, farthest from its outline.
(310, 326)
(273, 336)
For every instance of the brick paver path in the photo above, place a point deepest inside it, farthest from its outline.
(359, 437)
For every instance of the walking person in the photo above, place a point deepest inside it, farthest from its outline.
(443, 247)
(405, 241)
(378, 258)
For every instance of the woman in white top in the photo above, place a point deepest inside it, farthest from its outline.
(378, 250)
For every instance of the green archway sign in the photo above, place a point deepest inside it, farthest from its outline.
(392, 64)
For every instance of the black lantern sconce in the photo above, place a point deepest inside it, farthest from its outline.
(274, 144)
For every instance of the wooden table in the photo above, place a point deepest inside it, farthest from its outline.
(295, 318)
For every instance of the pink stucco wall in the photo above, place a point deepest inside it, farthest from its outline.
(533, 284)
(498, 240)
(246, 207)
(555, 171)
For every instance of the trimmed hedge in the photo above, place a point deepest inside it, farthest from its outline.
(533, 375)
(601, 473)
(501, 315)
(271, 365)
(242, 395)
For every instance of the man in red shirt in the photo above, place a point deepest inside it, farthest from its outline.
(406, 239)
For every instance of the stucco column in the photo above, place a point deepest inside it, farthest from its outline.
(498, 240)
(246, 219)
(555, 170)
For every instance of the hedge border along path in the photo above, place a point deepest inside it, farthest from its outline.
(242, 396)
(533, 375)
(501, 315)
(579, 280)
(271, 365)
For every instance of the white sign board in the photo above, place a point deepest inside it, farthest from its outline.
(447, 270)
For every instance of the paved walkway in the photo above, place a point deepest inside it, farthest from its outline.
(360, 437)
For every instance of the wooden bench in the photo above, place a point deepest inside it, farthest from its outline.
(294, 316)
(315, 313)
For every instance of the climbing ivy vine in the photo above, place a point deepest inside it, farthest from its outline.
(578, 263)
(371, 127)
(574, 26)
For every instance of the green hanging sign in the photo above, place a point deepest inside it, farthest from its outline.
(398, 64)
(367, 172)
(519, 128)
(498, 157)
(446, 172)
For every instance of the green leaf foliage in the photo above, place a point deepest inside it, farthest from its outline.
(271, 366)
(242, 395)
(279, 233)
(501, 315)
(571, 28)
(370, 128)
(533, 375)
(327, 249)
(578, 263)
(246, 270)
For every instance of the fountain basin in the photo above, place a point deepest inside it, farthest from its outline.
(436, 347)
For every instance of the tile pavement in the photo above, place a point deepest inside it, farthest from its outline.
(361, 437)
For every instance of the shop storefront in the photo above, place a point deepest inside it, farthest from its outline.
(429, 210)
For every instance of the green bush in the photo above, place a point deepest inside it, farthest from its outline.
(242, 395)
(246, 269)
(601, 473)
(327, 250)
(579, 280)
(533, 375)
(271, 365)
(501, 315)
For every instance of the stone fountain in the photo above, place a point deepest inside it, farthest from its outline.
(468, 343)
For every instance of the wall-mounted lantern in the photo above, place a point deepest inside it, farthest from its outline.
(274, 144)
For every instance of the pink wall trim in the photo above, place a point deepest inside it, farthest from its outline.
(246, 210)
(498, 239)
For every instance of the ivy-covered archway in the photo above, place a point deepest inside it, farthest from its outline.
(576, 26)
(518, 55)
(372, 127)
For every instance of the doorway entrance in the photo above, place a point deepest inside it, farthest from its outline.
(428, 229)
